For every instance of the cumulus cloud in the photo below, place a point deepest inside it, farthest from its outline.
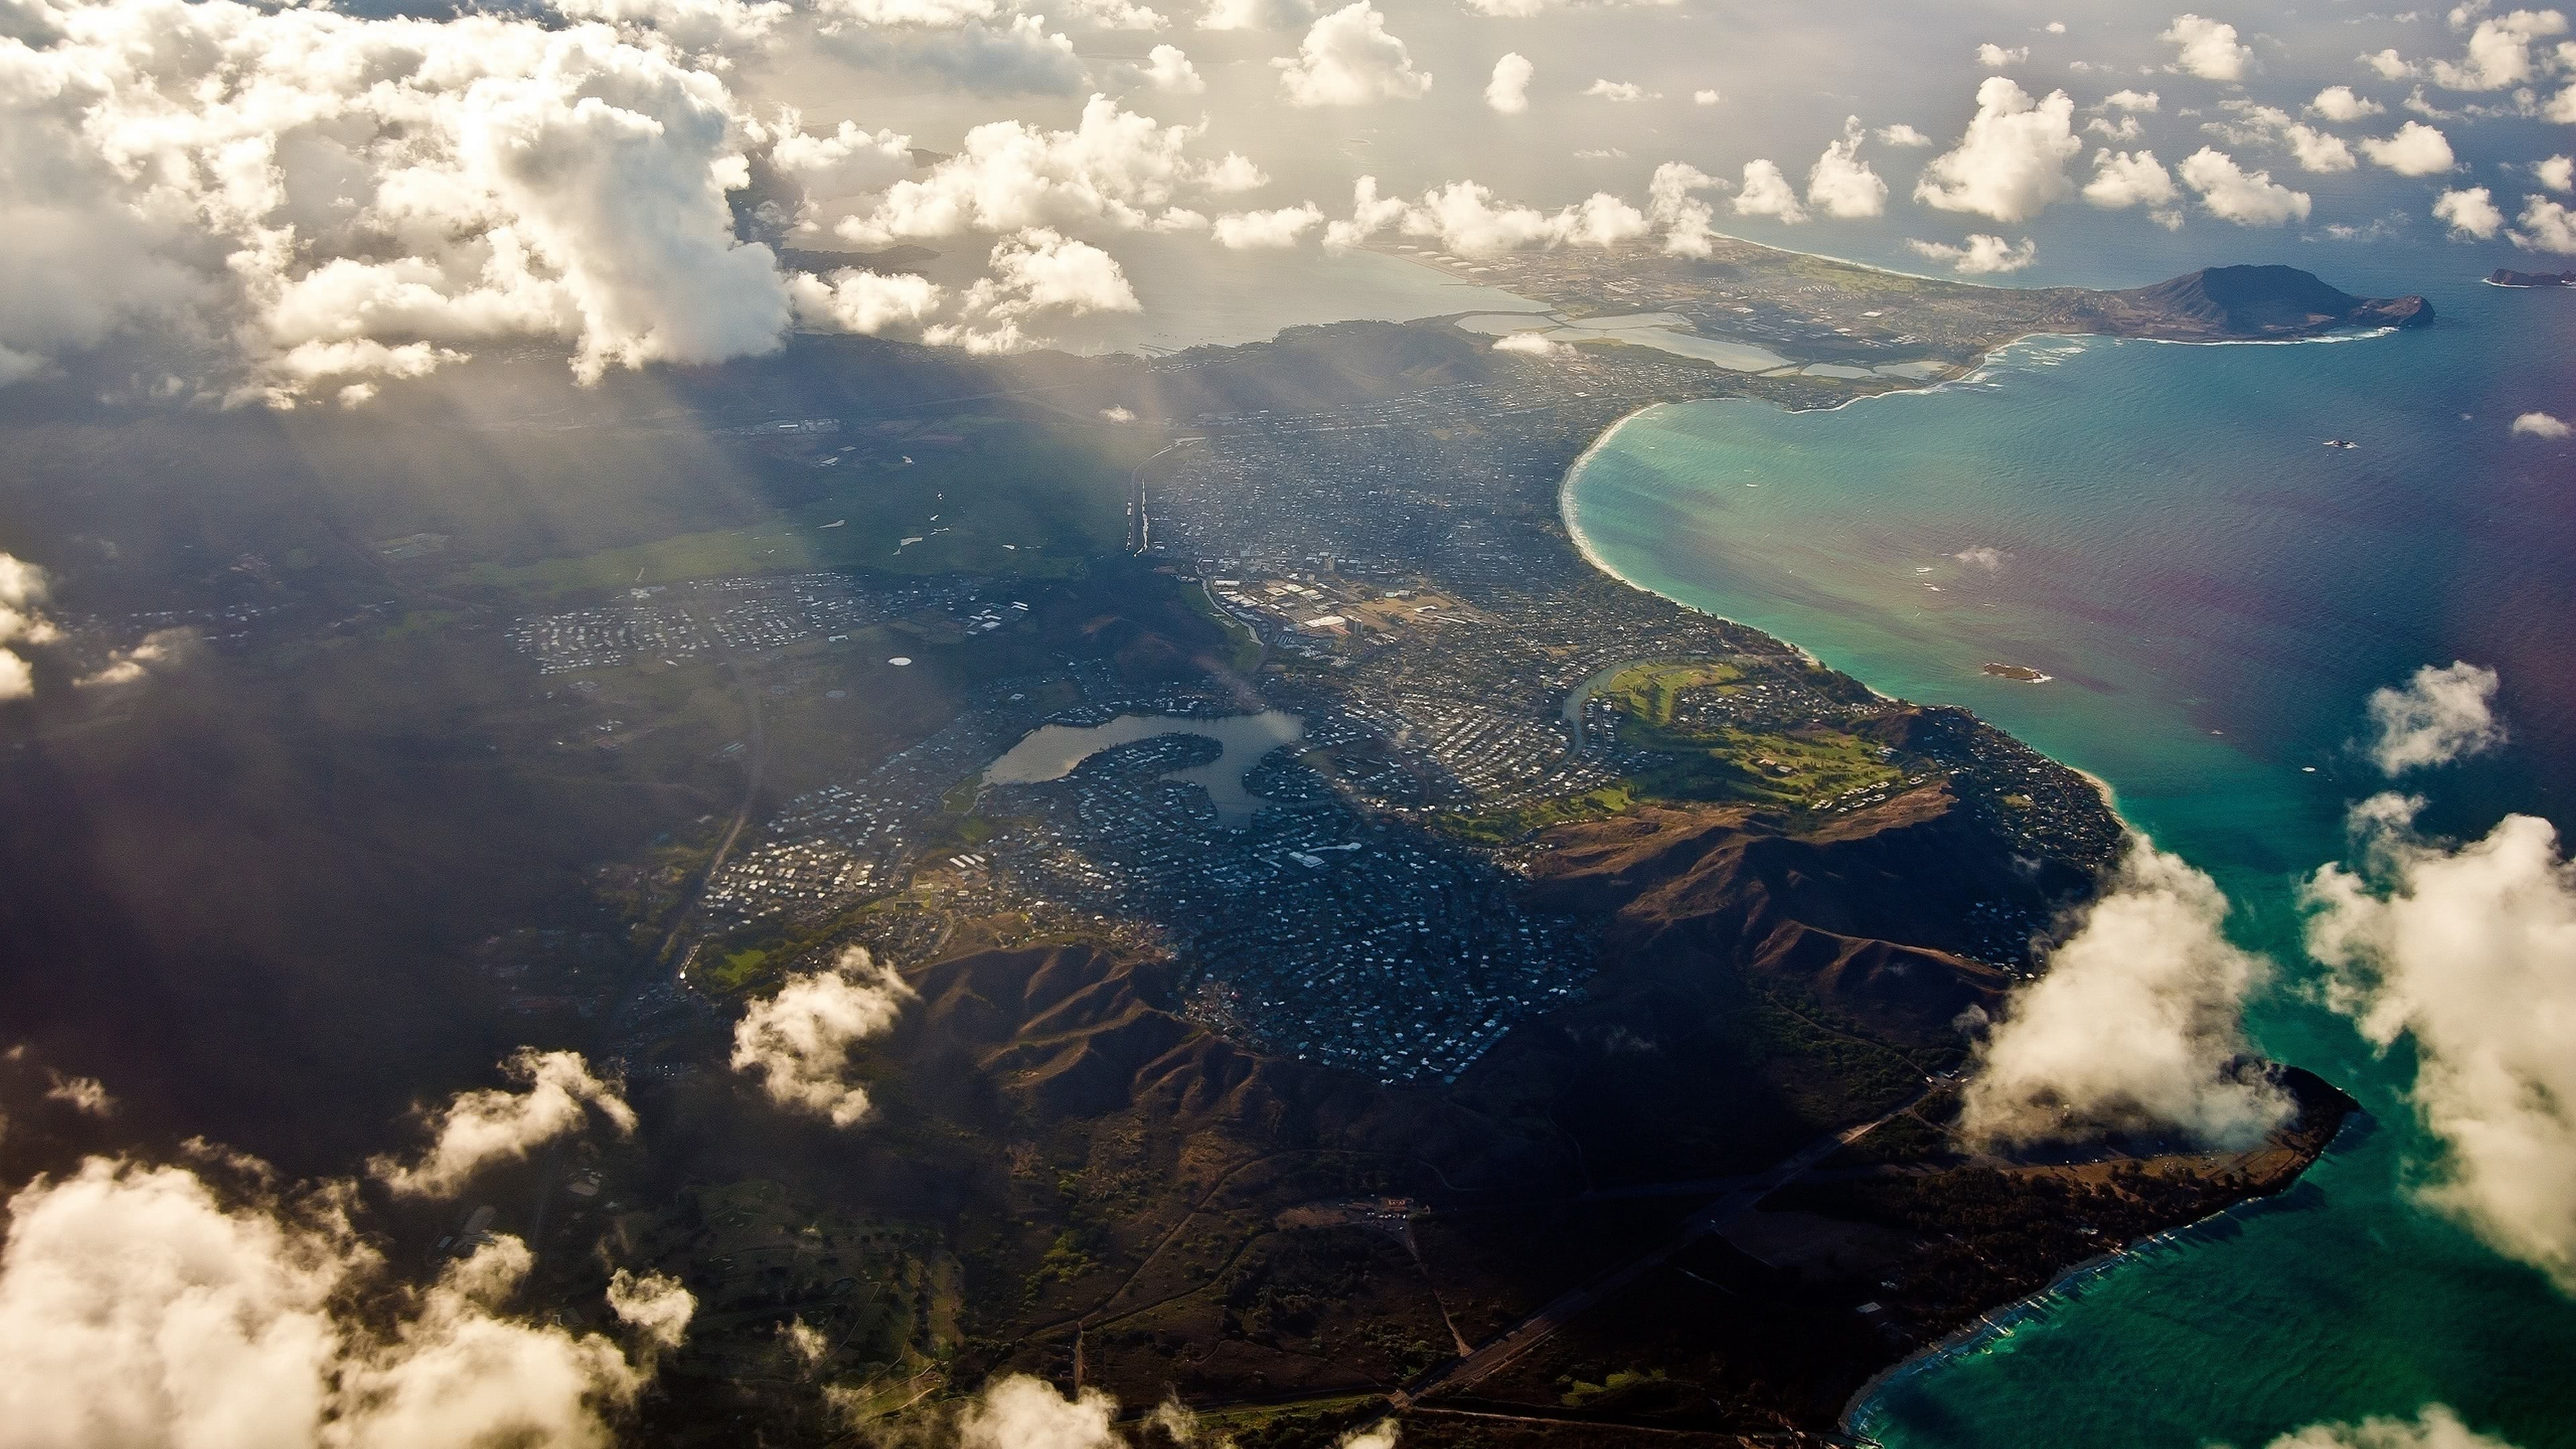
(2499, 52)
(1467, 218)
(1114, 15)
(2558, 173)
(2388, 64)
(2540, 425)
(1841, 184)
(1116, 167)
(1279, 227)
(1532, 344)
(2444, 713)
(160, 648)
(1901, 134)
(1766, 192)
(2122, 179)
(1508, 91)
(141, 1306)
(656, 1304)
(86, 1095)
(2416, 150)
(2231, 193)
(1370, 214)
(1673, 204)
(2136, 1025)
(2469, 212)
(1706, 96)
(1996, 57)
(331, 196)
(487, 1125)
(2207, 48)
(2338, 103)
(1024, 1412)
(2470, 951)
(798, 1041)
(22, 589)
(1617, 91)
(2436, 1427)
(1256, 14)
(849, 161)
(1168, 68)
(2128, 100)
(2011, 164)
(854, 299)
(2544, 226)
(1983, 255)
(1349, 59)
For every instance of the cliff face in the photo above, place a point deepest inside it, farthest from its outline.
(2508, 277)
(2219, 303)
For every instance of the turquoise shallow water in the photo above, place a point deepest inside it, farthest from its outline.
(2215, 593)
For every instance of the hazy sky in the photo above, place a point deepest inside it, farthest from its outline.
(287, 205)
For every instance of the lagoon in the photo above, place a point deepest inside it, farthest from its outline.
(1051, 752)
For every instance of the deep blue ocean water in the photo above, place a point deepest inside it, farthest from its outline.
(2216, 594)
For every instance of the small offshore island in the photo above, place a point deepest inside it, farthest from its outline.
(1555, 1044)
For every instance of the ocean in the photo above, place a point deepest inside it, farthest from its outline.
(2214, 594)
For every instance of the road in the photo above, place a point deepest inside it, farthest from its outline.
(1530, 1332)
(1140, 529)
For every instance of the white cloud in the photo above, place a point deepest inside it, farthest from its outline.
(915, 14)
(1023, 1412)
(2338, 103)
(2434, 1428)
(1901, 134)
(487, 1125)
(1279, 227)
(693, 25)
(2471, 952)
(2208, 48)
(2011, 164)
(2124, 129)
(1532, 344)
(1767, 192)
(1256, 14)
(798, 1041)
(1706, 96)
(856, 300)
(1983, 255)
(1113, 14)
(1470, 221)
(1349, 59)
(1508, 91)
(1370, 214)
(2232, 193)
(22, 588)
(2136, 1024)
(2389, 65)
(158, 648)
(87, 1095)
(655, 1303)
(2416, 150)
(2558, 173)
(1116, 167)
(1995, 57)
(848, 162)
(1168, 68)
(2124, 179)
(2545, 226)
(2561, 107)
(2056, 27)
(1840, 184)
(380, 192)
(2470, 212)
(1616, 91)
(1673, 204)
(140, 1307)
(2319, 151)
(2540, 425)
(2132, 100)
(2499, 52)
(2442, 714)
